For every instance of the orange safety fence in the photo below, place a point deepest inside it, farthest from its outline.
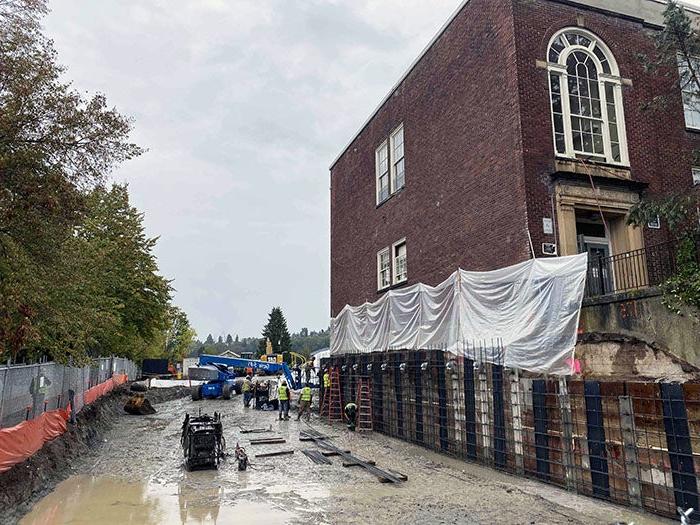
(22, 441)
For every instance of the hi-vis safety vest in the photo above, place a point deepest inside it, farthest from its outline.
(326, 380)
(282, 393)
(246, 386)
(306, 393)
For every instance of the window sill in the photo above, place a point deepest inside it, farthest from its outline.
(603, 169)
(691, 129)
(390, 197)
(393, 286)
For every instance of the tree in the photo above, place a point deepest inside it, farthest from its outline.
(55, 146)
(236, 341)
(677, 47)
(276, 331)
(229, 340)
(209, 340)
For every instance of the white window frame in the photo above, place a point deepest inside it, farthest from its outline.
(394, 160)
(394, 260)
(378, 173)
(380, 285)
(691, 110)
(613, 79)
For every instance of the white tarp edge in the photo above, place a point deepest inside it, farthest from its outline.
(532, 307)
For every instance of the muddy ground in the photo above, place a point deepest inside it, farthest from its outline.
(135, 475)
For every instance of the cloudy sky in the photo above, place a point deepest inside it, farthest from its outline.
(242, 104)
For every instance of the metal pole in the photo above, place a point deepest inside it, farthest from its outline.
(2, 394)
(634, 487)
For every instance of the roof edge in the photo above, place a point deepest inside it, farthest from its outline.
(457, 11)
(413, 64)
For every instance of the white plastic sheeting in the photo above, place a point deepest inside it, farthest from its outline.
(533, 308)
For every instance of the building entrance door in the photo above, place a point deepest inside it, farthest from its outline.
(600, 274)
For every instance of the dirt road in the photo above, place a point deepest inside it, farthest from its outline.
(136, 477)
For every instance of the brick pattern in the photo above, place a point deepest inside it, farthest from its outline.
(478, 147)
(464, 201)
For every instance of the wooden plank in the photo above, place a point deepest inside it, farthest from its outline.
(329, 453)
(275, 441)
(272, 454)
(402, 477)
(255, 430)
(355, 464)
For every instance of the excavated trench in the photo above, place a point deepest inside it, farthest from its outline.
(133, 474)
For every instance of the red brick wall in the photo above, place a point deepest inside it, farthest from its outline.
(659, 150)
(478, 147)
(464, 201)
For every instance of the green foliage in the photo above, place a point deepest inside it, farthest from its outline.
(77, 273)
(276, 331)
(306, 342)
(677, 47)
(680, 213)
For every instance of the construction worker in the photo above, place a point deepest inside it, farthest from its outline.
(247, 390)
(350, 415)
(283, 395)
(308, 367)
(305, 402)
(326, 390)
(38, 388)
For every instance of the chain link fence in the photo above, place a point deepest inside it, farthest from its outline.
(26, 391)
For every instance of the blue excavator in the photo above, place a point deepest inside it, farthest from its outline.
(220, 375)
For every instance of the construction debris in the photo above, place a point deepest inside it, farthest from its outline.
(322, 442)
(317, 457)
(355, 464)
(329, 453)
(255, 430)
(267, 441)
(138, 405)
(272, 454)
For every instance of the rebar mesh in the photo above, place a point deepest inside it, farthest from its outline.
(630, 443)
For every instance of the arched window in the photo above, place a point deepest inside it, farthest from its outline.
(586, 96)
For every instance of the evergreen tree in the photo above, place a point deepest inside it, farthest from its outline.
(229, 340)
(209, 340)
(276, 331)
(220, 341)
(237, 338)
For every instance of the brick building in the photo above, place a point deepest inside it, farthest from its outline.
(522, 119)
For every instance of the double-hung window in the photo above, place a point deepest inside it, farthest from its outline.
(392, 267)
(397, 171)
(389, 165)
(586, 98)
(383, 269)
(689, 79)
(382, 159)
(400, 265)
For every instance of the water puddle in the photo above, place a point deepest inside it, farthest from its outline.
(89, 500)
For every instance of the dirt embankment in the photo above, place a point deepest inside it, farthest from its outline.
(25, 483)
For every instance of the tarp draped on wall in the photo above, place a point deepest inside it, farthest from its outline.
(532, 308)
(22, 441)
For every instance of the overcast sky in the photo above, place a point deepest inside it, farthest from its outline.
(243, 104)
